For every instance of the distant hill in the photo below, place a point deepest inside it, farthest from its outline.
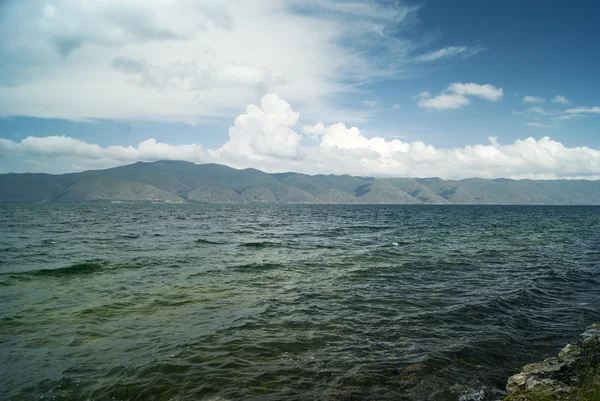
(178, 181)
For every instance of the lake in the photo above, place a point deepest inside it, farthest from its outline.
(315, 302)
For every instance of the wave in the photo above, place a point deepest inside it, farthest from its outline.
(208, 242)
(260, 244)
(325, 246)
(79, 269)
(88, 267)
(129, 235)
(110, 310)
(258, 266)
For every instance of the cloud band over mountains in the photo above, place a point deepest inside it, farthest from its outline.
(267, 137)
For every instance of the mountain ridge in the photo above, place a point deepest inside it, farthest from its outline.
(180, 181)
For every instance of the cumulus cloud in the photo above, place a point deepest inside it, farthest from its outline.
(560, 99)
(75, 152)
(580, 110)
(454, 96)
(263, 131)
(264, 137)
(448, 52)
(534, 99)
(184, 60)
(487, 92)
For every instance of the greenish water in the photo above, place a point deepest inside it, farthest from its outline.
(201, 302)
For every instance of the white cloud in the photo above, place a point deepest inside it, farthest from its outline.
(264, 137)
(537, 110)
(263, 131)
(448, 52)
(75, 152)
(488, 92)
(442, 101)
(542, 111)
(534, 99)
(555, 115)
(396, 107)
(580, 110)
(566, 117)
(537, 124)
(454, 96)
(185, 60)
(370, 103)
(560, 99)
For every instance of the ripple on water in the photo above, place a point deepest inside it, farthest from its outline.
(208, 302)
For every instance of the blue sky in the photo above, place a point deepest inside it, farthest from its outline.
(426, 84)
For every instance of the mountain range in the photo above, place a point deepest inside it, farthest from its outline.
(179, 181)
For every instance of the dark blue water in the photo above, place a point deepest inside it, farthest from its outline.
(205, 302)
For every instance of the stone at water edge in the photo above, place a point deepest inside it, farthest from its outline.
(555, 376)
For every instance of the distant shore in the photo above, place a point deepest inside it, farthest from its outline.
(172, 181)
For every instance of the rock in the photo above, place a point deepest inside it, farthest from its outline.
(592, 334)
(547, 366)
(416, 367)
(408, 381)
(546, 385)
(569, 353)
(411, 376)
(553, 378)
(516, 382)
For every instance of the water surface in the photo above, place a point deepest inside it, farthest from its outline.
(200, 302)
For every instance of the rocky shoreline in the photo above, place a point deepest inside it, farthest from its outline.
(574, 374)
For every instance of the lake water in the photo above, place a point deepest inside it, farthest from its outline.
(210, 302)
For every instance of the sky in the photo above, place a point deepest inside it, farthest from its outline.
(377, 87)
